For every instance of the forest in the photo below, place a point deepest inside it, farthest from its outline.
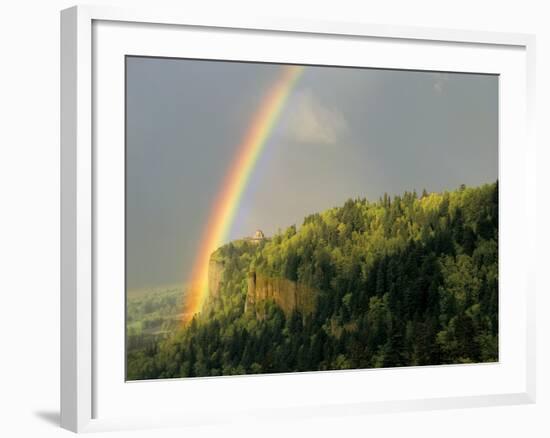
(404, 280)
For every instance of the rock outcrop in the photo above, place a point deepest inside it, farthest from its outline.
(289, 295)
(215, 276)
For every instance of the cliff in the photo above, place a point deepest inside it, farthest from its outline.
(215, 276)
(230, 264)
(289, 295)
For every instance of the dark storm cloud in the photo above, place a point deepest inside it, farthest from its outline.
(344, 133)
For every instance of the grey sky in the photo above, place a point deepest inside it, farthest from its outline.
(343, 133)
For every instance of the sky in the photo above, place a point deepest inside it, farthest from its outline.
(343, 133)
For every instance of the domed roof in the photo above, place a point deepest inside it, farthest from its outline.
(259, 234)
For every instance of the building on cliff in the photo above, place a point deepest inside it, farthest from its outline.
(258, 237)
(289, 295)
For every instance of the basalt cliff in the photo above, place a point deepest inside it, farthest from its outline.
(287, 294)
(261, 289)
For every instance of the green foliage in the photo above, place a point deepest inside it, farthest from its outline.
(403, 281)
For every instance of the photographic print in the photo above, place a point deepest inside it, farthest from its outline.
(288, 218)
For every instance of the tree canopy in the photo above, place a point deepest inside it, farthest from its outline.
(406, 280)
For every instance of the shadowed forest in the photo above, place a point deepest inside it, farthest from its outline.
(406, 280)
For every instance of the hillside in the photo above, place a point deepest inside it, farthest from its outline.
(408, 280)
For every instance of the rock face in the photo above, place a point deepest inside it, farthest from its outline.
(289, 295)
(215, 276)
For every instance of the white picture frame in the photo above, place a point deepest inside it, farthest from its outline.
(90, 38)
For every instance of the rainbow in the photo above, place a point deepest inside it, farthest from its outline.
(226, 204)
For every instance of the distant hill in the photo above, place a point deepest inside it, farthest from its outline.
(406, 280)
